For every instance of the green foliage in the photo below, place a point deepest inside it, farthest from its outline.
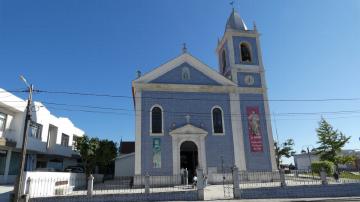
(328, 167)
(87, 148)
(331, 141)
(345, 159)
(95, 152)
(349, 175)
(105, 154)
(286, 149)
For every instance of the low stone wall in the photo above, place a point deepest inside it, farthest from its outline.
(218, 178)
(162, 196)
(305, 191)
(158, 181)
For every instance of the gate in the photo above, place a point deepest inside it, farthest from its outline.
(227, 181)
(227, 185)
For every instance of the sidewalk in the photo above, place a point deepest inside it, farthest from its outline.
(5, 191)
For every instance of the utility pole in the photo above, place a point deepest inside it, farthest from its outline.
(18, 190)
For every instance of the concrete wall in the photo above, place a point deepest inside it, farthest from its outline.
(302, 161)
(44, 183)
(125, 165)
(306, 191)
(162, 196)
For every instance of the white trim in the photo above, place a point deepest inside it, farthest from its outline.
(188, 133)
(137, 96)
(195, 88)
(237, 128)
(185, 57)
(125, 155)
(162, 121)
(266, 107)
(212, 120)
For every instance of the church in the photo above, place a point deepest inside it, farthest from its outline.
(190, 116)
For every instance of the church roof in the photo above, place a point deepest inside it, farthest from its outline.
(189, 59)
(235, 22)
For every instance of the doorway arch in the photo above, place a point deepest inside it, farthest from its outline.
(189, 158)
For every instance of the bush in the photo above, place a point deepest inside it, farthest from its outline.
(326, 165)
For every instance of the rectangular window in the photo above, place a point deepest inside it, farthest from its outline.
(3, 154)
(35, 130)
(2, 123)
(64, 140)
(74, 141)
(14, 163)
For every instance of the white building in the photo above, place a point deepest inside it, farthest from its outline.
(50, 138)
(303, 161)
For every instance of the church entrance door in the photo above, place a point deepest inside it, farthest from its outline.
(189, 158)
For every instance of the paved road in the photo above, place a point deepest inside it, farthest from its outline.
(5, 191)
(340, 199)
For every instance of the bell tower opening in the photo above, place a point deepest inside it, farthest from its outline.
(189, 158)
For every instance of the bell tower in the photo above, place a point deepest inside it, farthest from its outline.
(239, 53)
(240, 60)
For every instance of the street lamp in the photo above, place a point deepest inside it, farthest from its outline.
(19, 181)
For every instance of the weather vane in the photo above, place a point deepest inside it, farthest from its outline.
(232, 4)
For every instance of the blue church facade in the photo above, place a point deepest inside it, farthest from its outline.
(190, 116)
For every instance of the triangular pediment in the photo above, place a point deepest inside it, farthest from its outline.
(188, 129)
(204, 71)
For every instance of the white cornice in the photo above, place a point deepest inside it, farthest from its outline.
(195, 88)
(189, 129)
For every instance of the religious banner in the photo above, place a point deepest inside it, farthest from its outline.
(254, 129)
(156, 152)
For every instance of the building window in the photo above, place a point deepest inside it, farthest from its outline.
(245, 52)
(2, 123)
(185, 74)
(35, 130)
(156, 120)
(217, 120)
(75, 138)
(223, 61)
(64, 140)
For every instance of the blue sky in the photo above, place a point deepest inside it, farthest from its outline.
(310, 50)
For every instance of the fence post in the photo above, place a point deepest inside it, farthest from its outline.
(282, 178)
(323, 177)
(147, 183)
(200, 183)
(90, 187)
(236, 182)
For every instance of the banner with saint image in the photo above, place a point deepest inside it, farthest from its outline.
(254, 129)
(156, 153)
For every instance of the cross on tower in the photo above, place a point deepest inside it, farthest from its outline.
(184, 49)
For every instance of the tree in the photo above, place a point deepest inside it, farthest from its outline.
(331, 141)
(105, 154)
(286, 149)
(87, 147)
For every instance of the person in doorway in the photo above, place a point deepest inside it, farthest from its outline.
(182, 174)
(194, 181)
(186, 176)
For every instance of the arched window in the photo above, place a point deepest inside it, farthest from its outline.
(156, 120)
(217, 120)
(185, 74)
(245, 52)
(223, 61)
